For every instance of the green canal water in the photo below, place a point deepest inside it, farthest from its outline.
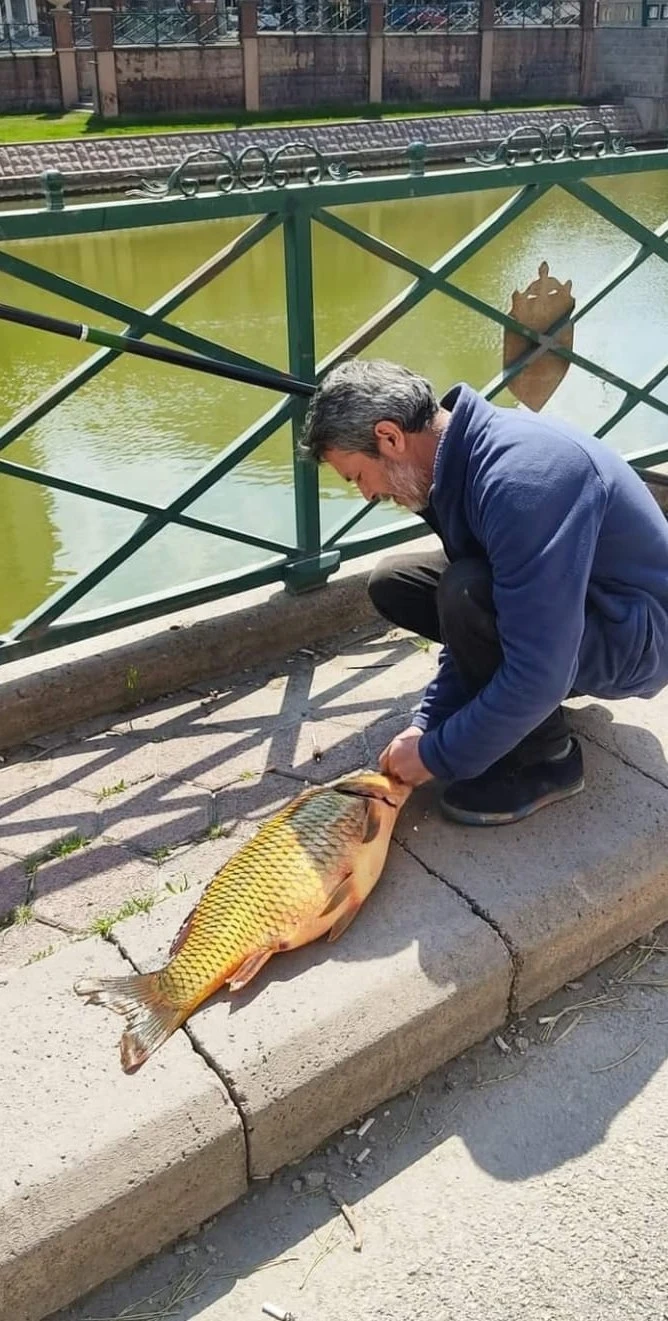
(145, 430)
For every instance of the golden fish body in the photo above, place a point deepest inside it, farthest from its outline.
(305, 873)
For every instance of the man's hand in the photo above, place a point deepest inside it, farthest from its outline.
(401, 758)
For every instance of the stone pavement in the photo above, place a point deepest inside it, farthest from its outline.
(88, 162)
(109, 832)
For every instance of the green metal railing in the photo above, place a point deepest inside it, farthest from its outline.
(532, 164)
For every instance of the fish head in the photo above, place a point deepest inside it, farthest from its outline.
(374, 784)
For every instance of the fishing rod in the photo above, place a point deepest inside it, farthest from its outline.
(269, 377)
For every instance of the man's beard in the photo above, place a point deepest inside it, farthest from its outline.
(407, 485)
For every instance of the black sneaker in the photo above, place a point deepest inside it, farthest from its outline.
(507, 792)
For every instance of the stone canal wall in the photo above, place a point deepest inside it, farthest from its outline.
(95, 164)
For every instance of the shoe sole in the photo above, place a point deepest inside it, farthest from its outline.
(465, 818)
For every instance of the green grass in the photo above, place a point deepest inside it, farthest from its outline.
(41, 954)
(160, 853)
(141, 903)
(23, 915)
(60, 850)
(110, 789)
(48, 126)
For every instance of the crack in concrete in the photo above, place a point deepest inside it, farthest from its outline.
(203, 1054)
(230, 1089)
(514, 955)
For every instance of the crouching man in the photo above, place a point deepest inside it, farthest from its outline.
(552, 580)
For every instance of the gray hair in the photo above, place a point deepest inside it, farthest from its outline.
(358, 394)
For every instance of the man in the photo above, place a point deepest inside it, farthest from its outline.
(553, 579)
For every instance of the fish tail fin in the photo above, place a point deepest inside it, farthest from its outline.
(151, 1016)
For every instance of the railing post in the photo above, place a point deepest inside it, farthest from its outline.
(486, 50)
(376, 49)
(63, 43)
(249, 53)
(587, 25)
(312, 566)
(105, 90)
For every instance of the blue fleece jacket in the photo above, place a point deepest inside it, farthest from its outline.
(578, 550)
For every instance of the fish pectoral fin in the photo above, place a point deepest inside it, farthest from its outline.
(344, 893)
(345, 903)
(249, 969)
(373, 820)
(343, 922)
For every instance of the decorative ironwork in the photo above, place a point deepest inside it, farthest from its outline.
(254, 167)
(312, 16)
(545, 303)
(537, 13)
(558, 142)
(175, 26)
(25, 36)
(431, 16)
(306, 558)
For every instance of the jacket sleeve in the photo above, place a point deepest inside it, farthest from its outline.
(444, 695)
(539, 530)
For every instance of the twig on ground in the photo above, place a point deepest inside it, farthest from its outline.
(568, 1029)
(624, 1058)
(499, 1077)
(598, 1002)
(399, 1137)
(350, 1218)
(323, 1250)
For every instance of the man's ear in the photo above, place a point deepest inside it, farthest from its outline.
(391, 440)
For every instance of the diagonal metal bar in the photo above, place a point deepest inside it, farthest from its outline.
(654, 378)
(598, 202)
(437, 282)
(39, 478)
(347, 524)
(445, 266)
(143, 322)
(256, 434)
(169, 302)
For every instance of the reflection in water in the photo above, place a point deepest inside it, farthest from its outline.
(145, 429)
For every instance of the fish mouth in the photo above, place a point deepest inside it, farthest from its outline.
(377, 786)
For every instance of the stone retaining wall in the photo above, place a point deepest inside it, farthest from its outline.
(94, 164)
(29, 82)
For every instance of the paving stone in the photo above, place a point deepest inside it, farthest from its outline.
(101, 1168)
(92, 882)
(635, 730)
(13, 884)
(381, 732)
(160, 719)
(327, 1032)
(97, 765)
(213, 756)
(242, 806)
(159, 814)
(24, 776)
(369, 682)
(26, 943)
(319, 751)
(568, 886)
(40, 820)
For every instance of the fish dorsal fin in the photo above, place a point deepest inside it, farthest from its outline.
(182, 934)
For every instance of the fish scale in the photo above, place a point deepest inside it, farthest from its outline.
(305, 873)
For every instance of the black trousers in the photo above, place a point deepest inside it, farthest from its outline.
(453, 604)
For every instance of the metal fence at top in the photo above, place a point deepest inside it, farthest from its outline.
(532, 162)
(312, 16)
(439, 16)
(537, 13)
(25, 36)
(82, 29)
(177, 26)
